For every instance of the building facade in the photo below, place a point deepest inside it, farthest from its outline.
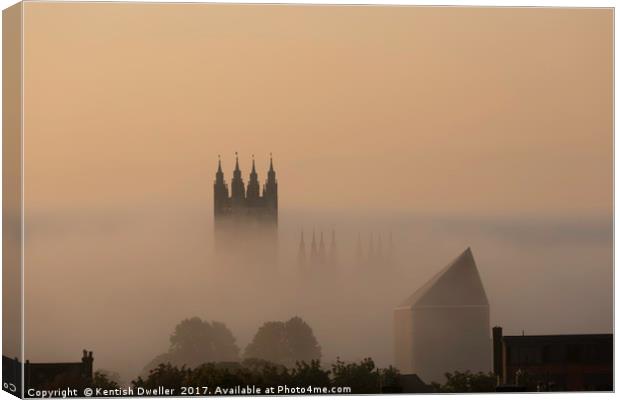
(48, 376)
(554, 362)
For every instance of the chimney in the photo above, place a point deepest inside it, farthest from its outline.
(498, 353)
(87, 365)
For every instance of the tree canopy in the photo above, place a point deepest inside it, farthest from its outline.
(196, 342)
(362, 378)
(467, 382)
(284, 343)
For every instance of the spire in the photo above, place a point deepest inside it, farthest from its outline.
(301, 253)
(220, 191)
(358, 254)
(371, 248)
(253, 189)
(270, 190)
(322, 256)
(219, 175)
(238, 188)
(333, 250)
(271, 174)
(313, 250)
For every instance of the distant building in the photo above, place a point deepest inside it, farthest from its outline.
(73, 375)
(373, 257)
(246, 218)
(554, 362)
(444, 326)
(321, 258)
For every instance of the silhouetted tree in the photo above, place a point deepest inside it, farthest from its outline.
(105, 380)
(284, 343)
(361, 378)
(271, 374)
(166, 375)
(196, 342)
(301, 340)
(311, 373)
(389, 376)
(467, 382)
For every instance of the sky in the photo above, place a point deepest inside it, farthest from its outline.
(451, 127)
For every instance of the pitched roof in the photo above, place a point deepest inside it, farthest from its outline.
(457, 284)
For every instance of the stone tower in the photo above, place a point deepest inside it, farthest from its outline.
(246, 220)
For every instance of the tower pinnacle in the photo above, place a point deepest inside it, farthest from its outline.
(301, 254)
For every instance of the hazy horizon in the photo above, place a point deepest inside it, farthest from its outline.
(449, 127)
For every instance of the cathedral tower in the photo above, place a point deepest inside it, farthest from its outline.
(245, 221)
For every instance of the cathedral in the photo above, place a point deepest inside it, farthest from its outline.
(319, 256)
(246, 217)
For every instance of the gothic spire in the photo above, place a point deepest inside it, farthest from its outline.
(270, 190)
(253, 189)
(322, 256)
(333, 250)
(219, 175)
(313, 250)
(301, 254)
(237, 185)
(220, 191)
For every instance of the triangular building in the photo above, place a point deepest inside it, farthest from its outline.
(444, 326)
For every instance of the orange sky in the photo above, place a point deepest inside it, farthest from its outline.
(501, 118)
(479, 111)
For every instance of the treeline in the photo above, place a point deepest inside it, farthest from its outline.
(282, 353)
(363, 377)
(204, 353)
(195, 342)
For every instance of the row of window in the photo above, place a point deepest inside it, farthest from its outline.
(559, 353)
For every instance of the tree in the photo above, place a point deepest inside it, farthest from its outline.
(304, 374)
(166, 375)
(362, 378)
(105, 380)
(302, 343)
(467, 382)
(195, 342)
(284, 343)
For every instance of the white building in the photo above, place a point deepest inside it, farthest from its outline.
(444, 326)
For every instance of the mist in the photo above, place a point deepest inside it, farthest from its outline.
(117, 282)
